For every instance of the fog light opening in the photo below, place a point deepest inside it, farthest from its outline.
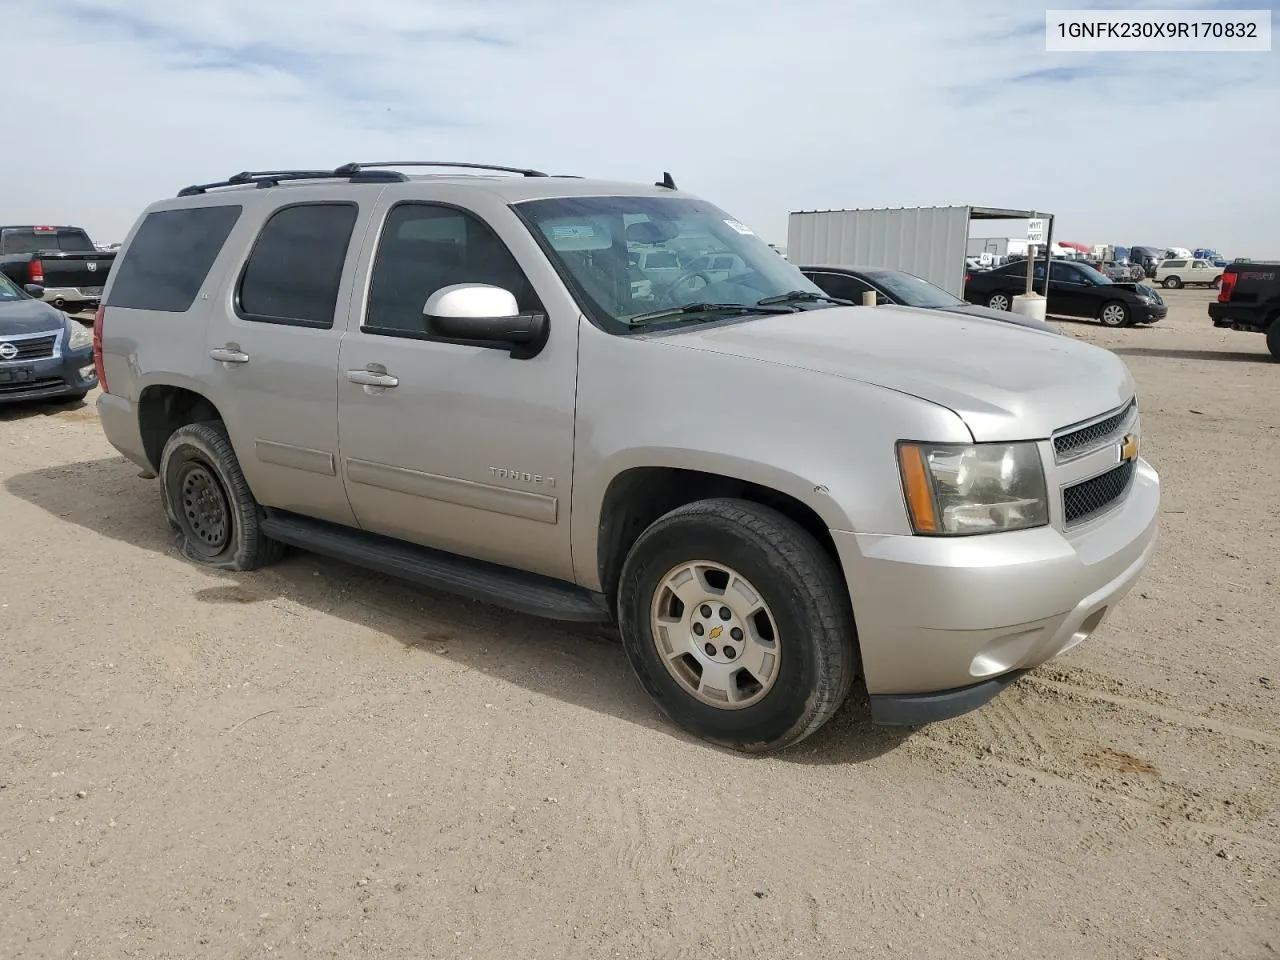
(1087, 628)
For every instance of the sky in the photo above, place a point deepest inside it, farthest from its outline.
(760, 106)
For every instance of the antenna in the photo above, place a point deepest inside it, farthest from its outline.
(666, 182)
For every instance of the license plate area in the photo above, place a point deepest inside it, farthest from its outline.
(17, 374)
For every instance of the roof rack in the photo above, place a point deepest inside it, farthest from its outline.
(272, 178)
(354, 168)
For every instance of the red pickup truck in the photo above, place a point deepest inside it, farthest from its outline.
(62, 260)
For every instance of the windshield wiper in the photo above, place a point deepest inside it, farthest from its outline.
(713, 308)
(803, 296)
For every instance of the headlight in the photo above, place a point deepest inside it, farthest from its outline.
(81, 336)
(958, 489)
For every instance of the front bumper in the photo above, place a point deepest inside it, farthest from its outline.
(49, 378)
(1154, 312)
(944, 622)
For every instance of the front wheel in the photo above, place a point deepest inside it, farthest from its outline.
(1114, 314)
(737, 624)
(208, 501)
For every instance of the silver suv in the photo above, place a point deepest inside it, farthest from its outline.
(449, 378)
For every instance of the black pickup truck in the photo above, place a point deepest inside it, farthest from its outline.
(63, 260)
(1249, 299)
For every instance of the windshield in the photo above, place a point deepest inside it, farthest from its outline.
(691, 252)
(7, 290)
(911, 290)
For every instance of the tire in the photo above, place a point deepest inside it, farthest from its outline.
(1273, 338)
(1171, 283)
(1114, 313)
(1000, 301)
(804, 609)
(1217, 282)
(207, 500)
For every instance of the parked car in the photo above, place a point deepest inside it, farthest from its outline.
(1184, 272)
(1075, 290)
(61, 260)
(1147, 258)
(1122, 271)
(1249, 299)
(750, 466)
(44, 354)
(908, 290)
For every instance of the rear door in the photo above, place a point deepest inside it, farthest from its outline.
(469, 450)
(272, 348)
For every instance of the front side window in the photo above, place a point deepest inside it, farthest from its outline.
(425, 247)
(592, 240)
(293, 274)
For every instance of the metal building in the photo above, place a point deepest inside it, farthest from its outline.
(930, 242)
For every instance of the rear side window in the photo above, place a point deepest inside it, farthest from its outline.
(293, 274)
(165, 265)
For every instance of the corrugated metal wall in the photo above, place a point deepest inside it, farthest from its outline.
(927, 241)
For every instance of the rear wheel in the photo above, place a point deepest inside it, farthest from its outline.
(208, 501)
(1000, 301)
(737, 624)
(1273, 337)
(1114, 314)
(1172, 283)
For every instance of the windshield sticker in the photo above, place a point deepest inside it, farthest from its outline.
(584, 231)
(741, 228)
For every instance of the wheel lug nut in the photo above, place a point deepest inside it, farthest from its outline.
(736, 633)
(697, 628)
(729, 653)
(725, 613)
(711, 649)
(705, 611)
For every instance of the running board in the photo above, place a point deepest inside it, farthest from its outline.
(491, 583)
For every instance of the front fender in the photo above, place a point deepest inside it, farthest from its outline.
(825, 441)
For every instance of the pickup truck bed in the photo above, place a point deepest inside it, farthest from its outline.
(63, 260)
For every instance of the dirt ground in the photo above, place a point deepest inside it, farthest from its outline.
(313, 761)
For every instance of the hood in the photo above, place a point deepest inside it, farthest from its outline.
(1004, 316)
(1006, 382)
(29, 316)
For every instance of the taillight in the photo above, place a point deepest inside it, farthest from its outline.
(36, 271)
(967, 277)
(1228, 284)
(97, 347)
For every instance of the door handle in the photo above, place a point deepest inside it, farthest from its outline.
(372, 378)
(231, 353)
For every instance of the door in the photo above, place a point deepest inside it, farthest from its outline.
(273, 352)
(1070, 292)
(448, 445)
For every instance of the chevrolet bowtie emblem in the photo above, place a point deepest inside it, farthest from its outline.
(1129, 448)
(715, 632)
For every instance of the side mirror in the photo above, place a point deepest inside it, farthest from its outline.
(483, 315)
(34, 290)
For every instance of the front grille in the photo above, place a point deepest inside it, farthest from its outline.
(1086, 499)
(34, 348)
(1093, 436)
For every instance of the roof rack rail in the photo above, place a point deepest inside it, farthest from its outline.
(354, 168)
(272, 178)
